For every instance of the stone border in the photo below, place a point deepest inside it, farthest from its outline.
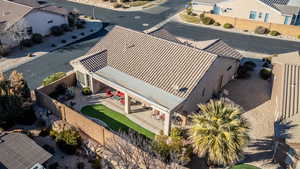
(233, 30)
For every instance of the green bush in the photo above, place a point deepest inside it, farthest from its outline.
(208, 21)
(53, 78)
(298, 36)
(63, 41)
(56, 31)
(86, 91)
(202, 16)
(249, 65)
(137, 3)
(243, 73)
(261, 30)
(217, 24)
(37, 38)
(228, 26)
(96, 164)
(26, 43)
(65, 27)
(4, 50)
(176, 132)
(274, 33)
(190, 18)
(265, 73)
(68, 141)
(80, 165)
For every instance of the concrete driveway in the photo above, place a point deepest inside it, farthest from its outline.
(254, 95)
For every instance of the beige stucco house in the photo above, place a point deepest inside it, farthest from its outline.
(286, 103)
(269, 11)
(30, 16)
(158, 70)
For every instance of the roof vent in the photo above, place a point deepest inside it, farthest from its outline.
(129, 45)
(183, 89)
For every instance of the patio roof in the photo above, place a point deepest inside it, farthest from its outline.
(139, 88)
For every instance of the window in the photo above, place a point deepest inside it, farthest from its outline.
(260, 15)
(29, 30)
(88, 80)
(287, 20)
(51, 21)
(267, 16)
(229, 68)
(252, 15)
(203, 92)
(80, 78)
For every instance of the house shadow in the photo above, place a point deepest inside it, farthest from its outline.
(251, 92)
(197, 163)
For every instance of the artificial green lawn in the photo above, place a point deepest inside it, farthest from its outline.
(244, 166)
(116, 121)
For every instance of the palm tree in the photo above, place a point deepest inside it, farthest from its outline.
(219, 133)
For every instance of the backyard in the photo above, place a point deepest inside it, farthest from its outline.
(115, 120)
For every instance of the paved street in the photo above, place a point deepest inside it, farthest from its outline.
(151, 16)
(239, 41)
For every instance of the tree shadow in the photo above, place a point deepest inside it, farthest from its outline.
(282, 128)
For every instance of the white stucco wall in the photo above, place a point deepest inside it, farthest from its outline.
(39, 21)
(200, 8)
(242, 8)
(210, 82)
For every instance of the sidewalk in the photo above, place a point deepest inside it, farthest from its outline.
(18, 56)
(177, 18)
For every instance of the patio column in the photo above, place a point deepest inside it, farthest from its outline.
(127, 103)
(167, 124)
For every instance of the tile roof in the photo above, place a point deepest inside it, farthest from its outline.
(282, 6)
(288, 81)
(54, 9)
(220, 48)
(169, 66)
(17, 151)
(95, 62)
(164, 34)
(11, 12)
(210, 2)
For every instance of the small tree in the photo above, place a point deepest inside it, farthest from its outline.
(19, 86)
(219, 132)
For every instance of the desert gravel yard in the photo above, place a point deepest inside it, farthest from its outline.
(254, 95)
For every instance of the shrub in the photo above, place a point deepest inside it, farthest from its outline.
(298, 36)
(30, 55)
(217, 24)
(82, 33)
(202, 16)
(68, 141)
(265, 73)
(274, 33)
(86, 91)
(4, 50)
(53, 166)
(228, 26)
(176, 132)
(116, 5)
(242, 73)
(63, 41)
(249, 65)
(189, 18)
(49, 148)
(208, 21)
(65, 27)
(74, 37)
(261, 30)
(56, 31)
(53, 78)
(26, 43)
(80, 165)
(96, 164)
(268, 59)
(92, 30)
(37, 38)
(27, 117)
(53, 45)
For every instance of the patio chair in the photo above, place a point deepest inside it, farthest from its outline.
(120, 94)
(109, 93)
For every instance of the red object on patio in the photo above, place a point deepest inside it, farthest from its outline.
(120, 94)
(109, 93)
(122, 101)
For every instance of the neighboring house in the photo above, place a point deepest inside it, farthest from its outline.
(286, 102)
(269, 11)
(17, 151)
(156, 69)
(34, 17)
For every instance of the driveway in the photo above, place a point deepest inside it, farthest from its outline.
(254, 95)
